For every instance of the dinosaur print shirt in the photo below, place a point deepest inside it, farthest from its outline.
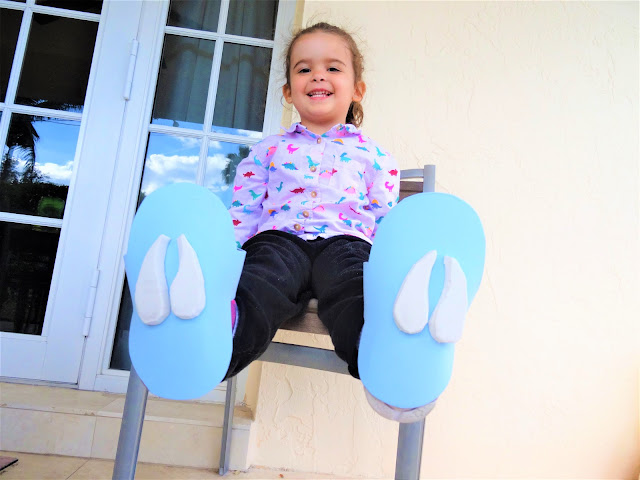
(337, 183)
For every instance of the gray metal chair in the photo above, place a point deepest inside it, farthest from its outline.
(410, 436)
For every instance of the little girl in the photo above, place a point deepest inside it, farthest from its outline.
(307, 203)
(307, 206)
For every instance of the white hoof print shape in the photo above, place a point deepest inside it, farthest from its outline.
(152, 295)
(187, 289)
(411, 307)
(186, 297)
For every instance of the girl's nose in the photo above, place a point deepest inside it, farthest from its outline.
(318, 76)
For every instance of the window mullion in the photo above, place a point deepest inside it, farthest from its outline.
(14, 77)
(202, 163)
(12, 5)
(228, 38)
(215, 69)
(65, 13)
(224, 13)
(213, 86)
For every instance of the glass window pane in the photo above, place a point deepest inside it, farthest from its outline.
(222, 160)
(195, 14)
(57, 63)
(37, 164)
(91, 6)
(9, 29)
(27, 255)
(169, 159)
(252, 19)
(183, 82)
(242, 89)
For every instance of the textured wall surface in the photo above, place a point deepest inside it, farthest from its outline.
(530, 112)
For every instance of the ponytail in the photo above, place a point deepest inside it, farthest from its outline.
(355, 115)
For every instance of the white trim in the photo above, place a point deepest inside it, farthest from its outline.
(222, 17)
(46, 112)
(62, 12)
(30, 220)
(212, 93)
(12, 5)
(224, 37)
(58, 12)
(184, 132)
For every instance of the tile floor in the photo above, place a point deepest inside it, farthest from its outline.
(53, 467)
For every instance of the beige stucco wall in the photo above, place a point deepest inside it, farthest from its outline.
(530, 112)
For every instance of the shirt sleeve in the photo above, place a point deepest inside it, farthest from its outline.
(249, 190)
(383, 186)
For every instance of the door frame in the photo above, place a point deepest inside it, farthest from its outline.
(56, 355)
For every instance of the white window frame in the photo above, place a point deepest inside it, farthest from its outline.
(95, 372)
(61, 343)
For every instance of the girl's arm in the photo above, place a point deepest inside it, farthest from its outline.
(249, 189)
(385, 185)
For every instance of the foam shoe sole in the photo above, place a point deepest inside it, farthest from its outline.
(182, 358)
(410, 370)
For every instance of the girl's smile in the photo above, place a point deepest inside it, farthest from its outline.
(322, 81)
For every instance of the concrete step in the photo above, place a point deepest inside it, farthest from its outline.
(64, 421)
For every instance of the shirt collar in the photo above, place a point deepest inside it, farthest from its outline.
(339, 130)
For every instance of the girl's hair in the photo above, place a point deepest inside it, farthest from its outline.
(355, 113)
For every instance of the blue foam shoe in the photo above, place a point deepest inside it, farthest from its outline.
(183, 347)
(404, 365)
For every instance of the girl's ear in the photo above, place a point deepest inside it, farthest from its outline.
(286, 92)
(361, 89)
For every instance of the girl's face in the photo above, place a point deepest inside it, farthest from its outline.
(322, 81)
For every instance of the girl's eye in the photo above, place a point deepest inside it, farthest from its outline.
(333, 69)
(304, 70)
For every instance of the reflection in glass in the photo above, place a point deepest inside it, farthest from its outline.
(183, 82)
(120, 353)
(37, 164)
(242, 88)
(169, 159)
(90, 6)
(195, 14)
(252, 19)
(57, 63)
(222, 160)
(9, 29)
(27, 255)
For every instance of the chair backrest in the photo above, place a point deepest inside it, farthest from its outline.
(309, 321)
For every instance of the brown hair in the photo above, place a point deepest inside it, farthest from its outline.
(355, 114)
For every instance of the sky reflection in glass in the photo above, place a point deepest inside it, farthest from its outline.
(170, 159)
(222, 160)
(37, 165)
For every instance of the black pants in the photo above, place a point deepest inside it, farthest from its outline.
(281, 273)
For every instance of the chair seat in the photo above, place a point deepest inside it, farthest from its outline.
(307, 323)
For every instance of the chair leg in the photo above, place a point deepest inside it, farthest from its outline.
(135, 404)
(409, 457)
(229, 405)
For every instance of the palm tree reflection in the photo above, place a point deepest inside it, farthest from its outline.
(23, 188)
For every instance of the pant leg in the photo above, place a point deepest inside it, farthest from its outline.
(274, 287)
(337, 282)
